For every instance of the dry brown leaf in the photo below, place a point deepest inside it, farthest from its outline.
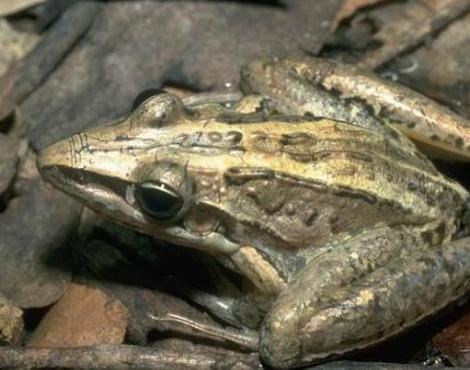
(350, 7)
(454, 342)
(11, 322)
(83, 316)
(15, 44)
(8, 7)
(440, 69)
(407, 25)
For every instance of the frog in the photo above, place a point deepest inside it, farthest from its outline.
(333, 89)
(343, 236)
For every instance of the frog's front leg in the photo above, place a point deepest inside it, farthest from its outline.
(368, 290)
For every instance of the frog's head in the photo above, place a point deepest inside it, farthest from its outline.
(147, 172)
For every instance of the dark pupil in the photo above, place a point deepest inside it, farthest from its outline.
(158, 200)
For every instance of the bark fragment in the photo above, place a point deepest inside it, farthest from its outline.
(83, 316)
(11, 322)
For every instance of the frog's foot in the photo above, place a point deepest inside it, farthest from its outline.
(227, 303)
(241, 312)
(220, 307)
(373, 286)
(246, 339)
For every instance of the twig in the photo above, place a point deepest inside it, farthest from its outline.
(124, 357)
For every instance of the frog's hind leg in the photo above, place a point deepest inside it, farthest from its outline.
(360, 291)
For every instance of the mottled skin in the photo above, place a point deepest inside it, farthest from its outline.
(344, 233)
(326, 88)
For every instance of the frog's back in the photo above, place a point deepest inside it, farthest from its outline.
(318, 178)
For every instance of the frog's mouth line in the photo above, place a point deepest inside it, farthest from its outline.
(70, 180)
(88, 187)
(112, 201)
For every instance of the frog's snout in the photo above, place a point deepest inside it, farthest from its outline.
(55, 155)
(55, 162)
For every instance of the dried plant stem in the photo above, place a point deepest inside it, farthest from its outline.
(122, 357)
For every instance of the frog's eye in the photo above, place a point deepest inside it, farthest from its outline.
(158, 200)
(144, 95)
(157, 108)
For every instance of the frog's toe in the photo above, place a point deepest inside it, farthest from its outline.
(279, 342)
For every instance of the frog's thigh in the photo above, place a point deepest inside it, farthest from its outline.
(316, 318)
